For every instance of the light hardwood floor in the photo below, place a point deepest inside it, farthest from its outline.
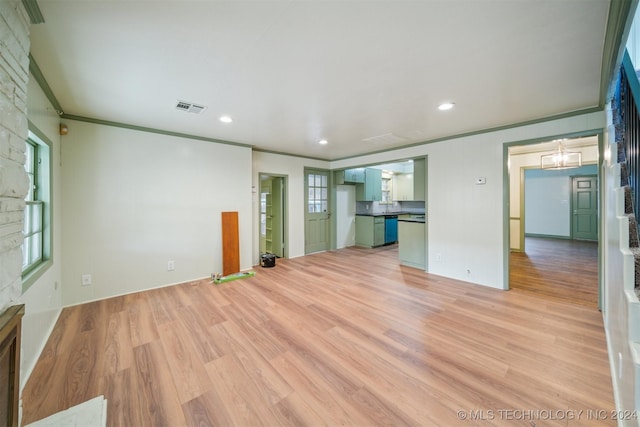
(557, 268)
(345, 337)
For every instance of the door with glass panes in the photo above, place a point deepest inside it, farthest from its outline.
(317, 216)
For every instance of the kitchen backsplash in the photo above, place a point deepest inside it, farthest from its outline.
(377, 207)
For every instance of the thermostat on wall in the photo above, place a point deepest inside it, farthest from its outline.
(481, 180)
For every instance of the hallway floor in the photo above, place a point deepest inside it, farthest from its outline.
(563, 269)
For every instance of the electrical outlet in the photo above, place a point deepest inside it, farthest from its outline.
(438, 257)
(86, 279)
(171, 265)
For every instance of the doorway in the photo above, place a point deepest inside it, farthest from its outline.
(548, 211)
(273, 190)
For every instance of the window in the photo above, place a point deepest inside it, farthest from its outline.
(33, 219)
(317, 199)
(37, 231)
(633, 41)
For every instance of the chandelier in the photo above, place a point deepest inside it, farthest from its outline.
(561, 159)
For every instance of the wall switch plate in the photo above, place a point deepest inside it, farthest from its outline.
(86, 279)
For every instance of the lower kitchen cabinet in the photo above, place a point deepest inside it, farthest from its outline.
(412, 248)
(369, 231)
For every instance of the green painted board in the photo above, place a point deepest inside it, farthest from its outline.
(230, 277)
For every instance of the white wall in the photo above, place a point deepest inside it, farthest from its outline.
(293, 168)
(517, 164)
(345, 216)
(548, 200)
(465, 221)
(135, 200)
(547, 205)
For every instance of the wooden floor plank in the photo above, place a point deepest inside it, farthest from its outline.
(233, 385)
(122, 406)
(187, 369)
(118, 348)
(346, 337)
(543, 269)
(154, 393)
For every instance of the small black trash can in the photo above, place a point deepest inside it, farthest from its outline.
(268, 260)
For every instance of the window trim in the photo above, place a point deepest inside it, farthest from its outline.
(45, 167)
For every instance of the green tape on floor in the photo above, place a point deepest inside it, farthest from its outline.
(223, 279)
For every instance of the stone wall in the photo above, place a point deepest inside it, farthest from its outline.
(14, 183)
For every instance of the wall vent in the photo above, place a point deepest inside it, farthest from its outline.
(190, 107)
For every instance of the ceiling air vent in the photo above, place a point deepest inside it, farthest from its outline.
(387, 138)
(190, 107)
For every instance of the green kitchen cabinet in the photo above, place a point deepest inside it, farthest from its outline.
(356, 175)
(410, 186)
(369, 231)
(371, 189)
(403, 186)
(349, 176)
(378, 231)
(419, 179)
(412, 246)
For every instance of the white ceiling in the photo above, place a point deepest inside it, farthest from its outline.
(290, 73)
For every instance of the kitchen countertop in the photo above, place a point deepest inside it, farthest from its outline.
(419, 220)
(384, 214)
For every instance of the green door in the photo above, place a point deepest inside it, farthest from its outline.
(317, 227)
(584, 201)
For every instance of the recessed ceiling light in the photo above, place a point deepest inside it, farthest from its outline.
(446, 106)
(323, 142)
(226, 119)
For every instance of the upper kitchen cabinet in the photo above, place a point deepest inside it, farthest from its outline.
(350, 176)
(403, 186)
(410, 186)
(356, 175)
(371, 190)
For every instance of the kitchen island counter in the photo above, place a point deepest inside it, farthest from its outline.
(412, 242)
(412, 219)
(384, 214)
